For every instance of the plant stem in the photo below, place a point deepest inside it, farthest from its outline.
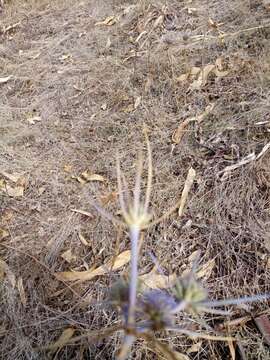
(134, 237)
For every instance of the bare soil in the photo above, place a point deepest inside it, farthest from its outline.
(80, 93)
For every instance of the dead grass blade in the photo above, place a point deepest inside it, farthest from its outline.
(83, 212)
(232, 349)
(188, 184)
(180, 131)
(21, 291)
(121, 260)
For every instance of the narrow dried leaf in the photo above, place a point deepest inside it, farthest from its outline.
(192, 10)
(4, 80)
(203, 77)
(118, 262)
(263, 324)
(92, 177)
(63, 339)
(13, 177)
(155, 280)
(109, 21)
(33, 119)
(180, 131)
(67, 168)
(21, 291)
(82, 212)
(232, 349)
(194, 256)
(195, 70)
(235, 322)
(83, 239)
(13, 192)
(182, 78)
(2, 184)
(206, 72)
(206, 269)
(68, 256)
(2, 269)
(158, 21)
(221, 74)
(79, 179)
(3, 234)
(195, 348)
(137, 102)
(188, 184)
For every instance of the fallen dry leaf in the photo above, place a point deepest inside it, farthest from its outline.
(82, 212)
(83, 239)
(191, 74)
(109, 21)
(62, 341)
(13, 191)
(180, 131)
(21, 291)
(13, 177)
(4, 80)
(192, 10)
(3, 234)
(119, 261)
(155, 280)
(232, 349)
(137, 102)
(2, 184)
(67, 168)
(203, 77)
(188, 184)
(92, 177)
(68, 256)
(205, 270)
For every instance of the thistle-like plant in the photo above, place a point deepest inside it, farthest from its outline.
(145, 312)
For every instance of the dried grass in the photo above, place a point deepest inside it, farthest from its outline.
(84, 103)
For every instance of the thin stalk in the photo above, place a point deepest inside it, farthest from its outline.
(134, 236)
(242, 300)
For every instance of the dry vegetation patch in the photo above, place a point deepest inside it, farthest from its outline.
(78, 81)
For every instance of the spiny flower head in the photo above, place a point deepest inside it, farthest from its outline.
(157, 306)
(190, 291)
